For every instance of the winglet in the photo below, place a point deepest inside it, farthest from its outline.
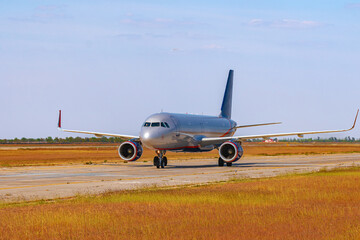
(59, 122)
(357, 113)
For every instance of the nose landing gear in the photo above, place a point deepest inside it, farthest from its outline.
(160, 160)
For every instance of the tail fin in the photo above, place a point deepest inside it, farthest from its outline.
(227, 101)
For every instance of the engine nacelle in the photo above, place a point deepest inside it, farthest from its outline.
(130, 151)
(230, 151)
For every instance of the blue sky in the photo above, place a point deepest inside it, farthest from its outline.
(110, 64)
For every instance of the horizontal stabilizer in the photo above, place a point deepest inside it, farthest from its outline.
(257, 125)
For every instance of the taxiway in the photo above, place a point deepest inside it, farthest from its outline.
(49, 182)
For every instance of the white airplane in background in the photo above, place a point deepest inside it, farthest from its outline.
(175, 132)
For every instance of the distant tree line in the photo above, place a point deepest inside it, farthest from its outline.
(56, 140)
(70, 140)
(306, 140)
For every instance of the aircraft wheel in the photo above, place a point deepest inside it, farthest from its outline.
(157, 162)
(165, 161)
(162, 163)
(221, 162)
(229, 164)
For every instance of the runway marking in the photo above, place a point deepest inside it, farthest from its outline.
(39, 168)
(140, 178)
(113, 180)
(254, 166)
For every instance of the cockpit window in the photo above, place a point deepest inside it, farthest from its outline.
(155, 124)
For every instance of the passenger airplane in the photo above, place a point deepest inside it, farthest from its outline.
(164, 132)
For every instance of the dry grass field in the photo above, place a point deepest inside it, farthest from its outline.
(323, 205)
(26, 155)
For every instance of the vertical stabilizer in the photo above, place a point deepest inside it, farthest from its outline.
(227, 101)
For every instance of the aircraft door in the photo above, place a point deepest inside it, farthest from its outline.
(202, 125)
(176, 123)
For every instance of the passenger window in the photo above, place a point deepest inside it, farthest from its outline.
(155, 124)
(163, 125)
(167, 125)
(147, 124)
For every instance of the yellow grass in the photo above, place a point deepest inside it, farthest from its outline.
(321, 205)
(80, 154)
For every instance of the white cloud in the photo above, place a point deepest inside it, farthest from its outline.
(157, 22)
(163, 20)
(51, 8)
(130, 35)
(256, 22)
(154, 22)
(353, 5)
(176, 50)
(212, 46)
(133, 36)
(44, 14)
(284, 23)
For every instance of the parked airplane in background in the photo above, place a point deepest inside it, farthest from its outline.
(164, 132)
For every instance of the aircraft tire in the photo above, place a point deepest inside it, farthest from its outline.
(221, 162)
(165, 161)
(162, 163)
(229, 164)
(157, 162)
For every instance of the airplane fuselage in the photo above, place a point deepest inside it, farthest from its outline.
(183, 132)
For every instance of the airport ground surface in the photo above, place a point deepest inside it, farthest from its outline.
(322, 205)
(319, 205)
(45, 155)
(60, 181)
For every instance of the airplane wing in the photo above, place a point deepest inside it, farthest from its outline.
(97, 134)
(220, 140)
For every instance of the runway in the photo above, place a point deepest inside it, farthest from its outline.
(49, 182)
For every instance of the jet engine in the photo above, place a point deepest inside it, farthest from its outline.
(230, 151)
(130, 150)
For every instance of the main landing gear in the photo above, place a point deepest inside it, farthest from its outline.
(221, 163)
(160, 160)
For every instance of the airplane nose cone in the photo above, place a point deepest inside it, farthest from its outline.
(151, 134)
(147, 137)
(151, 138)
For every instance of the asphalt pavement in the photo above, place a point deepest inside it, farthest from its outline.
(49, 182)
